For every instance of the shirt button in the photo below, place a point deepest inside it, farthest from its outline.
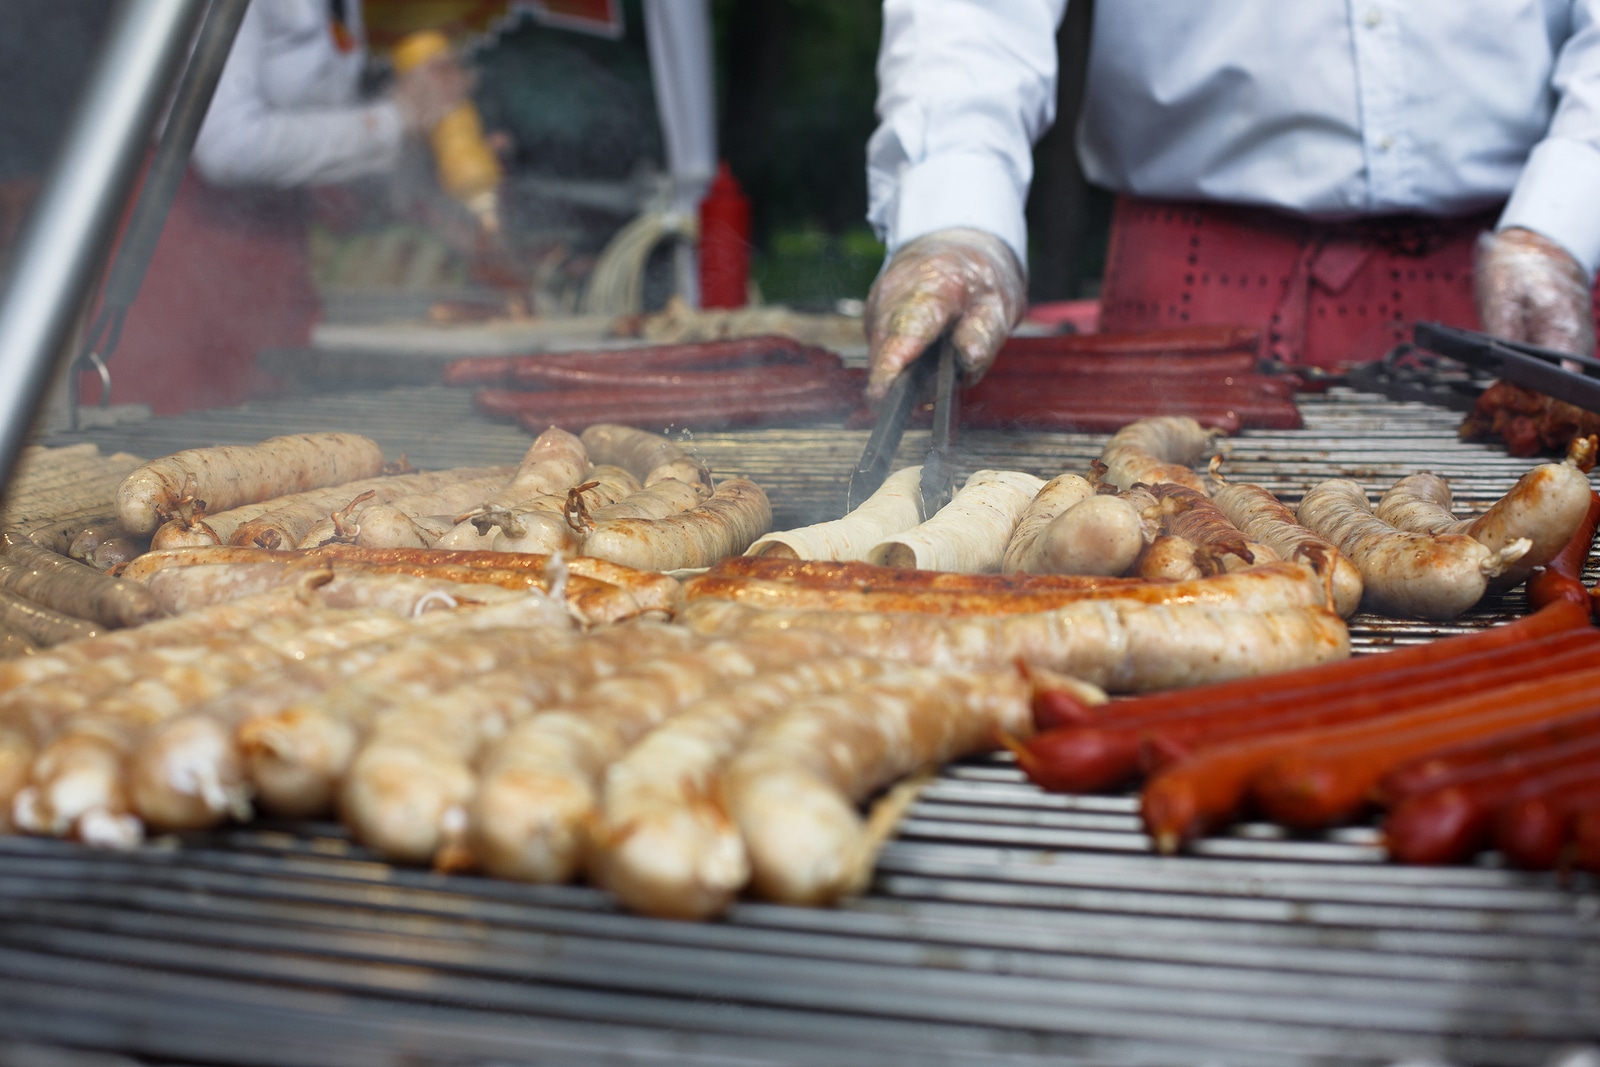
(1374, 17)
(1385, 143)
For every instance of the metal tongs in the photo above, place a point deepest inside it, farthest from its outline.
(938, 363)
(1543, 370)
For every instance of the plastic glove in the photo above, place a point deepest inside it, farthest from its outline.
(968, 278)
(427, 93)
(1529, 289)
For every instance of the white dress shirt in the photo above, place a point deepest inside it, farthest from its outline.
(1323, 108)
(287, 111)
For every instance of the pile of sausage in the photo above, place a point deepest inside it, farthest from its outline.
(477, 727)
(1099, 383)
(617, 494)
(756, 381)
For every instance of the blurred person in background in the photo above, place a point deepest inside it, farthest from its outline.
(231, 274)
(1328, 171)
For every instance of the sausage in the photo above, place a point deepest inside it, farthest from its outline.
(42, 626)
(568, 378)
(105, 546)
(1025, 550)
(1118, 645)
(864, 577)
(1444, 767)
(663, 844)
(1191, 515)
(1025, 409)
(649, 457)
(14, 643)
(396, 525)
(1546, 507)
(686, 410)
(724, 525)
(1282, 585)
(970, 533)
(1407, 574)
(1154, 451)
(743, 351)
(1167, 558)
(893, 508)
(1453, 820)
(540, 782)
(287, 522)
(406, 792)
(540, 525)
(1369, 672)
(1178, 344)
(793, 791)
(1100, 535)
(1316, 787)
(190, 773)
(1107, 751)
(227, 476)
(554, 463)
(65, 585)
(661, 500)
(1562, 577)
(296, 754)
(1536, 824)
(1261, 517)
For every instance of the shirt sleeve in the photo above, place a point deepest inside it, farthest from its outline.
(245, 140)
(965, 88)
(1555, 194)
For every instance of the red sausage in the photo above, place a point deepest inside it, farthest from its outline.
(1451, 822)
(1331, 779)
(1110, 751)
(1561, 578)
(1586, 836)
(1178, 343)
(1442, 768)
(1534, 827)
(744, 351)
(1206, 790)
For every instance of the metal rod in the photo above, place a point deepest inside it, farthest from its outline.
(167, 166)
(77, 212)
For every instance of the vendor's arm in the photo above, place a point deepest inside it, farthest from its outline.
(286, 111)
(965, 89)
(1534, 275)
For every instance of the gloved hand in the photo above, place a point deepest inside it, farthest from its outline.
(1530, 289)
(428, 92)
(968, 278)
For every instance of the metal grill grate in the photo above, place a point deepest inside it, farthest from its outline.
(1004, 925)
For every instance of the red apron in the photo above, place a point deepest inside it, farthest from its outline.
(230, 276)
(1322, 293)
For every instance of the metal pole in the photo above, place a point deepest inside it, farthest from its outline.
(167, 166)
(76, 214)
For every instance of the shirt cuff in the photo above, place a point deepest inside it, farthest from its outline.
(959, 190)
(382, 123)
(1555, 198)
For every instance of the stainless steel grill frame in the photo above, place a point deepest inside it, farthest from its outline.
(1004, 926)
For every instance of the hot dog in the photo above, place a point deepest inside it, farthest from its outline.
(1451, 821)
(1302, 786)
(1110, 749)
(1562, 577)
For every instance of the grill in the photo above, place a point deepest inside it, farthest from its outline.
(1004, 926)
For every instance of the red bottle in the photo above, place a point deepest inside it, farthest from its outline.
(724, 242)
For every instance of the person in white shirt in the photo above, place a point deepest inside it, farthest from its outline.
(1322, 169)
(231, 275)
